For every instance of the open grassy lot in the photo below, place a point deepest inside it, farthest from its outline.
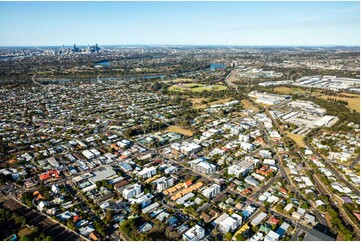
(180, 130)
(297, 138)
(197, 102)
(234, 77)
(293, 90)
(194, 87)
(352, 99)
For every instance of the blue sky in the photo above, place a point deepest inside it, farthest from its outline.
(196, 23)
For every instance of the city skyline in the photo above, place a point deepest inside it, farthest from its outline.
(180, 23)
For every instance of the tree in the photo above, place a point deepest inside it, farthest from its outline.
(228, 236)
(108, 217)
(266, 204)
(70, 225)
(279, 207)
(135, 208)
(240, 237)
(19, 220)
(25, 238)
(99, 227)
(305, 205)
(255, 229)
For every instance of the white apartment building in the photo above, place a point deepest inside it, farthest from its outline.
(170, 170)
(164, 183)
(236, 170)
(230, 224)
(132, 191)
(148, 172)
(143, 200)
(195, 233)
(203, 166)
(212, 191)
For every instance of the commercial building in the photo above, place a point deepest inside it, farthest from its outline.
(190, 148)
(87, 154)
(269, 99)
(105, 174)
(95, 152)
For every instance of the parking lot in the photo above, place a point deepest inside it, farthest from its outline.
(46, 225)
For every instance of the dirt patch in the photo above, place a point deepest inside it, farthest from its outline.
(197, 102)
(297, 138)
(248, 105)
(24, 232)
(180, 130)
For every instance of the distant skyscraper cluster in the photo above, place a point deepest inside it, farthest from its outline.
(89, 49)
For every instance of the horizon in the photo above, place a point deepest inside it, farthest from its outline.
(298, 24)
(175, 45)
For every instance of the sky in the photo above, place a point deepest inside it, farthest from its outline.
(182, 23)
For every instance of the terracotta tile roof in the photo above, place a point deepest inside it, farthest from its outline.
(93, 236)
(188, 183)
(273, 220)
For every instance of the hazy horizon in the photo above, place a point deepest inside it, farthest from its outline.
(180, 23)
(177, 45)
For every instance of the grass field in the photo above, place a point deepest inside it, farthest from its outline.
(234, 77)
(180, 130)
(297, 138)
(197, 102)
(352, 99)
(293, 90)
(194, 87)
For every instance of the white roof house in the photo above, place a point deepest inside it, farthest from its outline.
(195, 233)
(288, 207)
(272, 236)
